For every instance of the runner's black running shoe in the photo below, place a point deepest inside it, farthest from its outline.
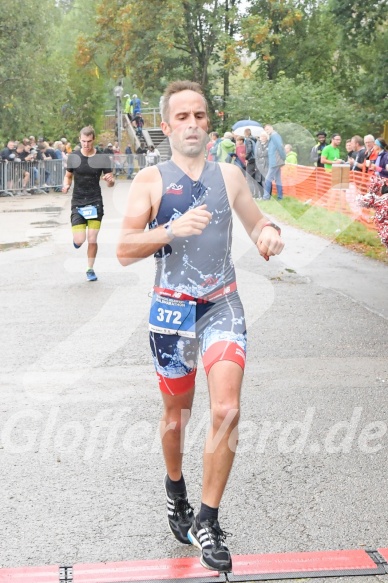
(210, 539)
(179, 513)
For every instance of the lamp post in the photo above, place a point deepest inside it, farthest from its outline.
(118, 92)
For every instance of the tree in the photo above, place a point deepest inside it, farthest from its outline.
(268, 24)
(299, 106)
(25, 70)
(142, 41)
(360, 21)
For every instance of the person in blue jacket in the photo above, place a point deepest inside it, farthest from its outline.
(276, 159)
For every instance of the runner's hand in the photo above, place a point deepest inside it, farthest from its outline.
(269, 243)
(65, 188)
(109, 178)
(192, 222)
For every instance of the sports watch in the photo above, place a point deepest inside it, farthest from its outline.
(167, 226)
(269, 224)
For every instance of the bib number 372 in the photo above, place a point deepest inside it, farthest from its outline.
(171, 316)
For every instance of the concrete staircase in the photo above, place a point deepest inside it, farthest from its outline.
(160, 142)
(151, 136)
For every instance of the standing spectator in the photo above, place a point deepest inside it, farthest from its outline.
(315, 154)
(211, 147)
(349, 148)
(291, 156)
(67, 145)
(250, 146)
(22, 176)
(45, 153)
(290, 171)
(58, 171)
(136, 104)
(109, 150)
(241, 151)
(86, 204)
(380, 166)
(32, 155)
(138, 123)
(58, 150)
(225, 147)
(129, 155)
(331, 153)
(261, 162)
(9, 152)
(118, 165)
(370, 151)
(50, 152)
(141, 159)
(152, 156)
(128, 108)
(357, 159)
(276, 158)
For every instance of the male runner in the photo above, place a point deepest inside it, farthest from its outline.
(87, 208)
(187, 204)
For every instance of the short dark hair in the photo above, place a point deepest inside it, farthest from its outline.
(88, 131)
(334, 136)
(177, 87)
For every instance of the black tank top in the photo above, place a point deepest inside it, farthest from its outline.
(200, 264)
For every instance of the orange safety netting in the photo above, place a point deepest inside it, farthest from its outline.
(334, 191)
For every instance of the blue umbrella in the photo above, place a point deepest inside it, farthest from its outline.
(245, 122)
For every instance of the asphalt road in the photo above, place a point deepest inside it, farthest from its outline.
(81, 465)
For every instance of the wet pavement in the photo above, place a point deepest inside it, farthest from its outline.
(82, 469)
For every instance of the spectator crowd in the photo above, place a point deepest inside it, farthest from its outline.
(263, 156)
(39, 165)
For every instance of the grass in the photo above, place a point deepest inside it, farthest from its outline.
(331, 225)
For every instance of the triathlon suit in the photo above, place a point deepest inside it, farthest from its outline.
(87, 195)
(198, 273)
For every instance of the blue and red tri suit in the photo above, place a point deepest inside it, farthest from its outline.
(199, 268)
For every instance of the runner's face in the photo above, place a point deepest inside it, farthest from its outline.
(187, 126)
(87, 143)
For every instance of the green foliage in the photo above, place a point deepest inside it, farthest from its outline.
(306, 64)
(299, 105)
(360, 21)
(335, 226)
(24, 71)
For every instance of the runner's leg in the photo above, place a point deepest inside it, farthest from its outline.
(224, 380)
(176, 415)
(92, 244)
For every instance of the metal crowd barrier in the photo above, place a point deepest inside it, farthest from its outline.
(31, 177)
(39, 177)
(128, 164)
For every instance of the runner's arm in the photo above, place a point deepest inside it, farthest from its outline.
(108, 173)
(134, 242)
(68, 179)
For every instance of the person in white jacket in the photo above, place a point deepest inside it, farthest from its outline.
(152, 156)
